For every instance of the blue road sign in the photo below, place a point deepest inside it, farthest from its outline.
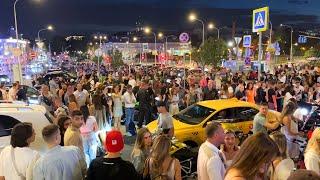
(260, 19)
(247, 41)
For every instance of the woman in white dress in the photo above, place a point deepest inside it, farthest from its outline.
(117, 106)
(290, 128)
(174, 99)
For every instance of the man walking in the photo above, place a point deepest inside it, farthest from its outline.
(72, 136)
(211, 164)
(129, 104)
(63, 163)
(143, 97)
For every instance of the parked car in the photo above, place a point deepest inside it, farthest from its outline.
(12, 113)
(32, 93)
(4, 79)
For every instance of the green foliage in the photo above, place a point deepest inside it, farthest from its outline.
(312, 52)
(116, 58)
(211, 52)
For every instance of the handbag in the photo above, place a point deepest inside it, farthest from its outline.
(22, 177)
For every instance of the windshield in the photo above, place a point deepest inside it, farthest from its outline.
(194, 114)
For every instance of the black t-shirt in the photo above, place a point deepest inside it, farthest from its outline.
(271, 92)
(111, 168)
(261, 94)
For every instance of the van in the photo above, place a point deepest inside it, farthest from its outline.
(12, 113)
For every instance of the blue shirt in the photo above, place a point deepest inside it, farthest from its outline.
(258, 124)
(60, 163)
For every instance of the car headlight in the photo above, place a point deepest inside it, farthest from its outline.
(2, 79)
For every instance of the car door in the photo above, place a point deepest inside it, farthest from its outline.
(244, 118)
(6, 125)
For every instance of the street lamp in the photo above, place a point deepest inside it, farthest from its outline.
(49, 28)
(100, 50)
(192, 18)
(211, 26)
(135, 39)
(147, 30)
(230, 44)
(291, 48)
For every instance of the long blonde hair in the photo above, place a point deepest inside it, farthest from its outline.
(159, 152)
(139, 145)
(313, 140)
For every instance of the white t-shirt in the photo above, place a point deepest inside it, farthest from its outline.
(81, 97)
(25, 159)
(12, 94)
(132, 82)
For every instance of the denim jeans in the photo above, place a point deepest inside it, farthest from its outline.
(90, 145)
(129, 117)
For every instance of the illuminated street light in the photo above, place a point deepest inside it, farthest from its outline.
(192, 18)
(212, 26)
(160, 35)
(95, 37)
(230, 44)
(135, 39)
(49, 28)
(147, 30)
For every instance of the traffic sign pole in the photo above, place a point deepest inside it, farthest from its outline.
(259, 55)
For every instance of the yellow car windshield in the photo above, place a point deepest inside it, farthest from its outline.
(194, 114)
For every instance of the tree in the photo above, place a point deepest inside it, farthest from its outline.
(211, 52)
(312, 52)
(116, 58)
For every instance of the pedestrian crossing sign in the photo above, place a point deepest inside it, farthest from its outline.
(260, 19)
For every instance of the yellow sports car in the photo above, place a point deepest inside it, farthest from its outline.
(190, 123)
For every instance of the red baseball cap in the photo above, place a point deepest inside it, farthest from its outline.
(114, 141)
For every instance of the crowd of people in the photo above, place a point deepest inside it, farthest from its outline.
(84, 109)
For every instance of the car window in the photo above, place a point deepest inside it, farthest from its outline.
(224, 114)
(31, 91)
(6, 125)
(246, 113)
(194, 114)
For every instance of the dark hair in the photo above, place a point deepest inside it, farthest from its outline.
(76, 113)
(129, 86)
(61, 121)
(264, 104)
(49, 131)
(20, 133)
(212, 128)
(85, 112)
(302, 174)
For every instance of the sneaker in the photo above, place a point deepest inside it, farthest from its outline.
(128, 134)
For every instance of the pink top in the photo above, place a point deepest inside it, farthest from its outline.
(89, 126)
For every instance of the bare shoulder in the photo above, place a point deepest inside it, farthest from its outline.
(234, 174)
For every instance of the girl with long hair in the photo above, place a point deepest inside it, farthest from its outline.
(229, 149)
(117, 105)
(312, 154)
(73, 104)
(283, 165)
(254, 158)
(250, 93)
(290, 128)
(160, 163)
(88, 129)
(63, 123)
(141, 149)
(99, 109)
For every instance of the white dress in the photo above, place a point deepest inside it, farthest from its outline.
(293, 148)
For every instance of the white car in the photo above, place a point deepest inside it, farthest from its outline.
(12, 113)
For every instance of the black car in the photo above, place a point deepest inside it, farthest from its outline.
(55, 74)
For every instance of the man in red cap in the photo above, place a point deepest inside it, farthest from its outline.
(112, 166)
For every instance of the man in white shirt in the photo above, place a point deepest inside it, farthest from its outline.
(82, 95)
(129, 103)
(211, 164)
(63, 163)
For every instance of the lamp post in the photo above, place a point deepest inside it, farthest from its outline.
(193, 17)
(99, 54)
(17, 38)
(166, 51)
(291, 47)
(49, 28)
(147, 30)
(211, 26)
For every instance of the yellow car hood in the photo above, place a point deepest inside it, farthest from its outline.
(153, 126)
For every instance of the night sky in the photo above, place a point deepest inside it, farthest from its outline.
(81, 16)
